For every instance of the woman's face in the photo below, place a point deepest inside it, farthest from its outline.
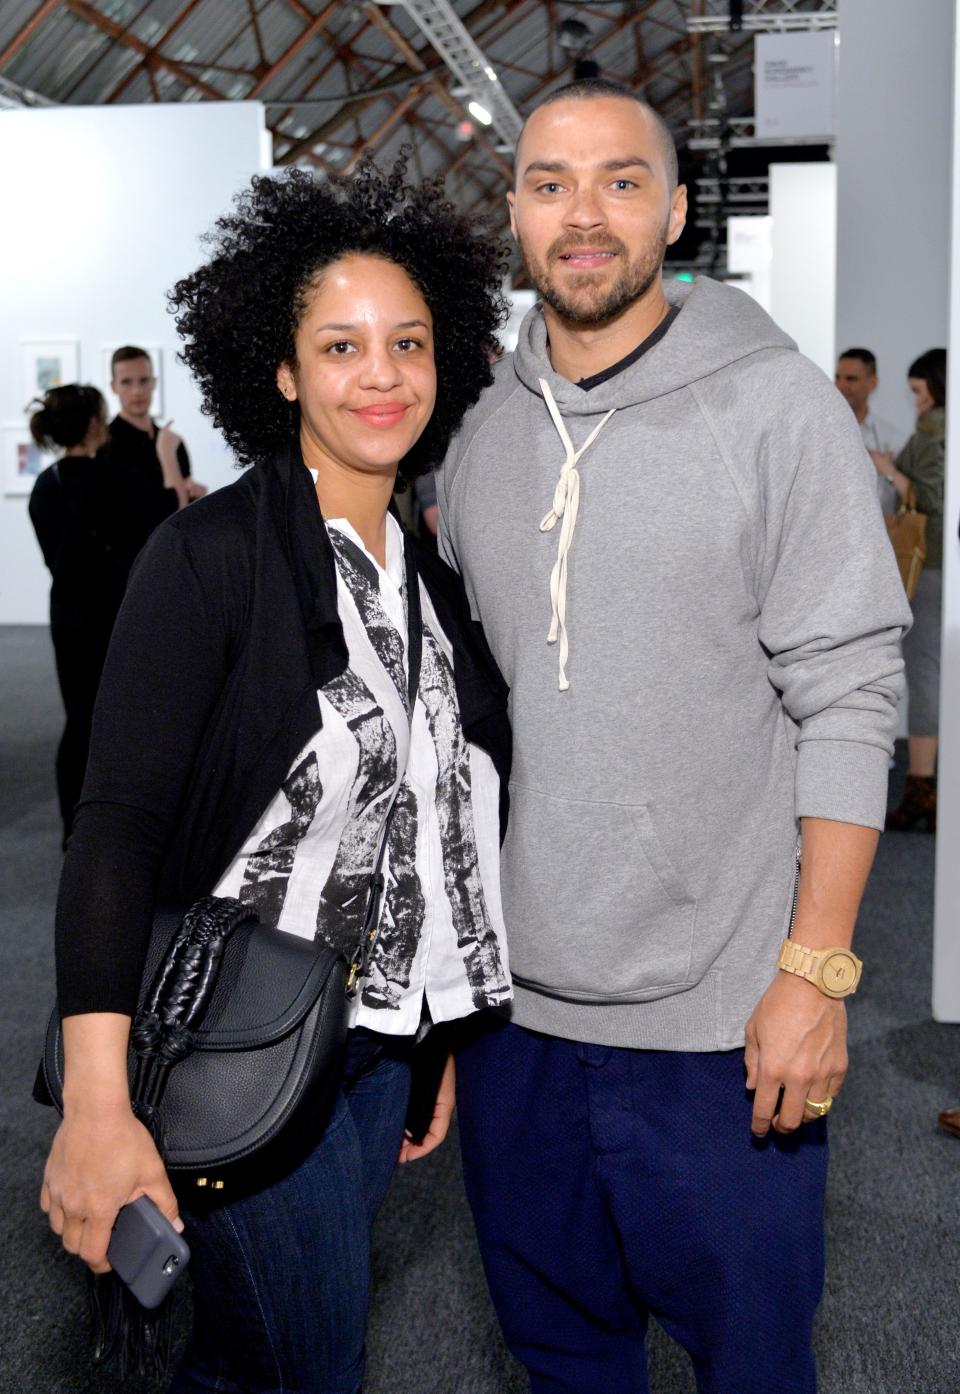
(921, 395)
(364, 377)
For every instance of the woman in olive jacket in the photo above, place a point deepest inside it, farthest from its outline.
(920, 464)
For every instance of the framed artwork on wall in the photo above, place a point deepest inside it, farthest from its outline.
(113, 402)
(22, 459)
(48, 363)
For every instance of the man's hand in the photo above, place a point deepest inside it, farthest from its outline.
(195, 490)
(883, 464)
(796, 1040)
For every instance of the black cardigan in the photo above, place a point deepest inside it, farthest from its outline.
(228, 628)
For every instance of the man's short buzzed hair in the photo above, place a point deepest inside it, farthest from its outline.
(127, 354)
(864, 356)
(586, 87)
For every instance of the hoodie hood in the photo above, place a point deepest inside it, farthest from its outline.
(719, 326)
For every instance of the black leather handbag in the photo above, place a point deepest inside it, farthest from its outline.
(236, 1042)
(235, 1050)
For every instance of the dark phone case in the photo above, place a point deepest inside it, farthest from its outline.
(146, 1252)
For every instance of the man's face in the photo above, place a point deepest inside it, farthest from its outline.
(133, 382)
(592, 211)
(855, 381)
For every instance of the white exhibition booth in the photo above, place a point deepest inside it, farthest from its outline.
(103, 210)
(104, 207)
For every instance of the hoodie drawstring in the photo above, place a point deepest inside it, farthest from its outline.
(566, 503)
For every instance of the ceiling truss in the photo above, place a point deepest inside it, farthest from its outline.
(335, 92)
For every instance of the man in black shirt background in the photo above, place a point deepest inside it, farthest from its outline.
(135, 438)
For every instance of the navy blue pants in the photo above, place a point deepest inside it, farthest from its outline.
(607, 1184)
(282, 1277)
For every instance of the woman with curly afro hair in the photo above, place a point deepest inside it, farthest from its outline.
(293, 690)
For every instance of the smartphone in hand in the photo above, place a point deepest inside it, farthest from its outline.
(146, 1252)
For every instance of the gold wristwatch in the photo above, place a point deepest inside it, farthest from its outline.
(836, 972)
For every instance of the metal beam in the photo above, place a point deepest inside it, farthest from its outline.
(263, 61)
(312, 29)
(385, 127)
(99, 53)
(156, 60)
(467, 61)
(171, 28)
(407, 51)
(27, 30)
(319, 76)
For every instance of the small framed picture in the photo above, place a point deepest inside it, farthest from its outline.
(48, 363)
(22, 459)
(155, 355)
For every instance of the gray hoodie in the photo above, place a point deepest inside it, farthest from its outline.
(733, 613)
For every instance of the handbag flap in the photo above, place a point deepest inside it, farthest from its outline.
(267, 983)
(286, 976)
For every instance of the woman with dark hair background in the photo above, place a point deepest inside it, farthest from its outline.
(254, 726)
(921, 464)
(91, 516)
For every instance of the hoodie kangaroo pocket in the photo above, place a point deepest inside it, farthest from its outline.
(594, 908)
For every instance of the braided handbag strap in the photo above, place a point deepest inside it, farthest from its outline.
(163, 1032)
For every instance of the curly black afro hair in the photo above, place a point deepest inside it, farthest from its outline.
(238, 314)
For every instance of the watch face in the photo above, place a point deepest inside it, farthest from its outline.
(838, 973)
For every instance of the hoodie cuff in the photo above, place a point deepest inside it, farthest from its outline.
(844, 781)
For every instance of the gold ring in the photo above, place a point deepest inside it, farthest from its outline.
(822, 1109)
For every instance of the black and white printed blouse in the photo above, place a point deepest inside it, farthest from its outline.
(306, 865)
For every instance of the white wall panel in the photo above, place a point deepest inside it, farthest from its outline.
(893, 163)
(803, 206)
(946, 943)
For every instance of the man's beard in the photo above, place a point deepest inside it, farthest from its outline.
(584, 302)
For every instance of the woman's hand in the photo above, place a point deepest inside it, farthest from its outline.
(411, 1151)
(102, 1157)
(98, 1164)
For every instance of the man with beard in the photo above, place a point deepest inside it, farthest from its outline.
(664, 518)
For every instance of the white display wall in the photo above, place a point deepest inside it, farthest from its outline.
(946, 946)
(803, 209)
(895, 120)
(893, 164)
(103, 210)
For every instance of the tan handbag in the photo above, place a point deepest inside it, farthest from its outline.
(907, 530)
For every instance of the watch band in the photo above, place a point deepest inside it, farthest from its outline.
(836, 972)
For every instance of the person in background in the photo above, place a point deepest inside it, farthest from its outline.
(921, 464)
(856, 380)
(425, 490)
(91, 515)
(135, 437)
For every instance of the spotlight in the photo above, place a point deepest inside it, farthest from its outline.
(573, 35)
(480, 112)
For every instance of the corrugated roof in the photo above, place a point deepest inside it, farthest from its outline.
(99, 51)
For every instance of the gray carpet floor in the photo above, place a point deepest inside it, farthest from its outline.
(889, 1319)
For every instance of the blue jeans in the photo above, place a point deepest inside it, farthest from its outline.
(609, 1183)
(282, 1277)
